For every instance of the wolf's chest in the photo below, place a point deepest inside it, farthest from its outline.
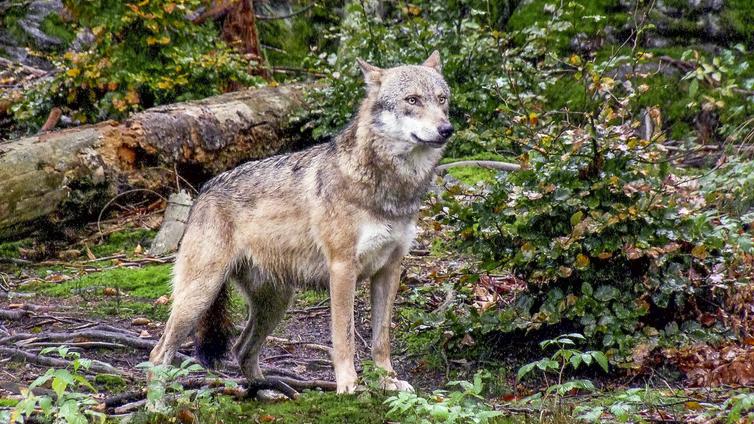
(377, 241)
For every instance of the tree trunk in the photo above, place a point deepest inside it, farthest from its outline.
(67, 175)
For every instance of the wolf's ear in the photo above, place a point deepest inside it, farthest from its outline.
(372, 74)
(433, 61)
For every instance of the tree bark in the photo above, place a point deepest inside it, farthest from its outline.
(68, 175)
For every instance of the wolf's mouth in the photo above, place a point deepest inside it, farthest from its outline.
(432, 143)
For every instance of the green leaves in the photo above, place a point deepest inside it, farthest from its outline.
(464, 406)
(69, 406)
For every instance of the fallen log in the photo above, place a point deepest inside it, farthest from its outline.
(68, 175)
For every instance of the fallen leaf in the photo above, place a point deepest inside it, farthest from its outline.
(138, 249)
(110, 291)
(144, 334)
(162, 300)
(140, 321)
(185, 416)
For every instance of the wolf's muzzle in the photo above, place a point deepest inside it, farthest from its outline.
(445, 130)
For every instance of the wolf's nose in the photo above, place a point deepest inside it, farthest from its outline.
(445, 130)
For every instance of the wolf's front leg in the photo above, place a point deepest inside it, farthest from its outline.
(342, 288)
(384, 287)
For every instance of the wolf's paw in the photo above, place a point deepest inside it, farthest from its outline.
(392, 384)
(346, 388)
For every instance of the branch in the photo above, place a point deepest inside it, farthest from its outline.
(21, 355)
(487, 164)
(289, 15)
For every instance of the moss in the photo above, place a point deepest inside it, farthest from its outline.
(533, 12)
(10, 249)
(738, 17)
(110, 382)
(148, 282)
(316, 407)
(124, 242)
(311, 297)
(138, 288)
(421, 343)
(53, 26)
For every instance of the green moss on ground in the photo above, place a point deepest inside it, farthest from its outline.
(149, 282)
(311, 297)
(10, 249)
(138, 289)
(110, 382)
(473, 174)
(738, 16)
(311, 407)
(124, 242)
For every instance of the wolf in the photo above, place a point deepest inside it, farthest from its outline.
(330, 216)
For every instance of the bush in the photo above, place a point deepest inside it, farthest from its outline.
(609, 237)
(142, 54)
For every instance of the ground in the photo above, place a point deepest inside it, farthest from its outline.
(106, 299)
(110, 285)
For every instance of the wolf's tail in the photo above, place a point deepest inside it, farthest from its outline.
(213, 331)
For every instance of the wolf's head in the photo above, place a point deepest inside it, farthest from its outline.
(409, 103)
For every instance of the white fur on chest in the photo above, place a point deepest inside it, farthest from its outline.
(377, 241)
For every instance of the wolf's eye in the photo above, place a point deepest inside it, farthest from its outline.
(442, 100)
(412, 100)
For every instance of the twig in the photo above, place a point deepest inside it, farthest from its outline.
(83, 345)
(15, 261)
(130, 407)
(309, 309)
(21, 355)
(25, 339)
(315, 346)
(487, 164)
(109, 202)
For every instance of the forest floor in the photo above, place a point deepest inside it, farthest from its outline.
(104, 298)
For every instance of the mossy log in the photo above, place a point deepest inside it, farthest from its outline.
(67, 175)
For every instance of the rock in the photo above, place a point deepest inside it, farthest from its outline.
(712, 26)
(173, 225)
(715, 5)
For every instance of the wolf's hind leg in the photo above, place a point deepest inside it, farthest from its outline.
(196, 286)
(267, 304)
